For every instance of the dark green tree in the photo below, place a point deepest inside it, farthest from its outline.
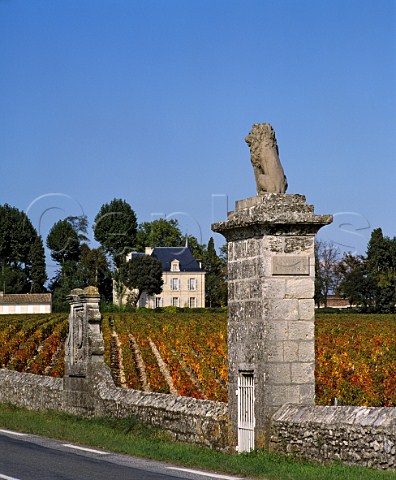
(223, 255)
(94, 269)
(65, 280)
(381, 268)
(13, 280)
(379, 255)
(355, 284)
(166, 233)
(63, 243)
(65, 250)
(215, 285)
(158, 233)
(17, 236)
(38, 272)
(80, 226)
(198, 250)
(142, 274)
(115, 229)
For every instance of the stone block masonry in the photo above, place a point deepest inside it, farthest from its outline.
(271, 273)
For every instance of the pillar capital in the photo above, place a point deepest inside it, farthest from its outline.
(271, 214)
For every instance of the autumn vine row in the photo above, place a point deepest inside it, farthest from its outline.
(187, 353)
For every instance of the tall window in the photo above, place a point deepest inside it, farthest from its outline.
(175, 301)
(158, 302)
(192, 283)
(175, 284)
(192, 302)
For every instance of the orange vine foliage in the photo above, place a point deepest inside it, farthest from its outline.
(29, 342)
(356, 359)
(355, 354)
(193, 347)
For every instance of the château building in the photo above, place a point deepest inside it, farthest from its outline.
(183, 276)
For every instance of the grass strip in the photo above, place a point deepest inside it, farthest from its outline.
(131, 437)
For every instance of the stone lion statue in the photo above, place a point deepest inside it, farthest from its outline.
(264, 155)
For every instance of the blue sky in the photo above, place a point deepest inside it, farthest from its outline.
(150, 101)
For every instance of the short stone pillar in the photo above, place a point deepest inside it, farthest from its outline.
(84, 347)
(271, 273)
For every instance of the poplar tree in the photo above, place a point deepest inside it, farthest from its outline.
(38, 272)
(215, 286)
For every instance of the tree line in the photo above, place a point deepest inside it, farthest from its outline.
(117, 231)
(368, 281)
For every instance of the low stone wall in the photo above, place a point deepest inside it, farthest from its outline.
(199, 422)
(35, 392)
(363, 436)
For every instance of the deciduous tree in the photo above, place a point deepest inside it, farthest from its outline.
(94, 269)
(355, 284)
(326, 273)
(115, 229)
(158, 233)
(63, 243)
(142, 274)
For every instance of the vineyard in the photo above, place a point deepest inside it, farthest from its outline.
(186, 353)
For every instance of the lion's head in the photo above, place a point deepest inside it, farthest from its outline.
(261, 133)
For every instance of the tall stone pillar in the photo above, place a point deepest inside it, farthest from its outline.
(84, 348)
(271, 272)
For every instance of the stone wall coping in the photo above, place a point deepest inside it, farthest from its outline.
(376, 417)
(31, 379)
(161, 401)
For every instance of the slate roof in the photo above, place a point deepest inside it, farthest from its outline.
(187, 262)
(25, 298)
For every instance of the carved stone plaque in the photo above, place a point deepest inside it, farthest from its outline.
(290, 265)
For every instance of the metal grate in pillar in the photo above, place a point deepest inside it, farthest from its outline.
(246, 420)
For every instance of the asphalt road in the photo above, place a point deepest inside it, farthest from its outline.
(30, 457)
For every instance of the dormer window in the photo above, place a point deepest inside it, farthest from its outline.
(175, 266)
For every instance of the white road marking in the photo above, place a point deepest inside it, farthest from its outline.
(205, 474)
(12, 433)
(4, 477)
(84, 449)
